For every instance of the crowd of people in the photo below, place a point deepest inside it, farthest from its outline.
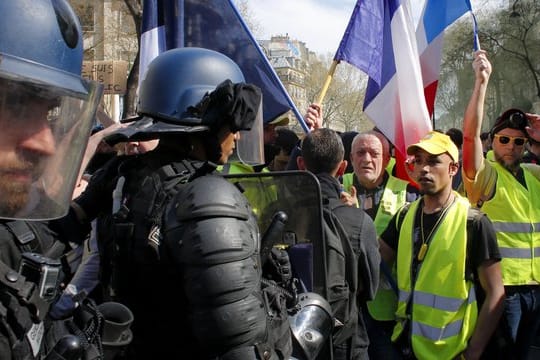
(126, 241)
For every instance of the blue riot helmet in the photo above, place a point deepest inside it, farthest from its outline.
(179, 93)
(46, 108)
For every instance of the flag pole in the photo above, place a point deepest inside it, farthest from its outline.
(327, 82)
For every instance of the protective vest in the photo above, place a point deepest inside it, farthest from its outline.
(185, 261)
(443, 311)
(383, 307)
(515, 213)
(213, 239)
(26, 333)
(134, 263)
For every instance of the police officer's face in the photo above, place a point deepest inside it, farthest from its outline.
(227, 140)
(369, 160)
(26, 141)
(433, 173)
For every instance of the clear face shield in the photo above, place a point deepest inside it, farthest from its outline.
(44, 134)
(250, 148)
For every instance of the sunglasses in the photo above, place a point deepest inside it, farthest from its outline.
(503, 139)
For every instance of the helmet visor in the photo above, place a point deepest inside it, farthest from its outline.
(250, 147)
(44, 134)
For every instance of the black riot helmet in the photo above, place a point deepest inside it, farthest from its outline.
(46, 107)
(194, 90)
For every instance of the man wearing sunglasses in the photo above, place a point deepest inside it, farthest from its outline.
(508, 191)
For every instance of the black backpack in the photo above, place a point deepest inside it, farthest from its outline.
(341, 273)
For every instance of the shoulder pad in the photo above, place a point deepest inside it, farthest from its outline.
(210, 196)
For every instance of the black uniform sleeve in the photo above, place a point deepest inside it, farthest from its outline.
(97, 196)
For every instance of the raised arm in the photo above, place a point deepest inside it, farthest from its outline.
(472, 123)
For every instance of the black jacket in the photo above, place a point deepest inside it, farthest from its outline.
(363, 237)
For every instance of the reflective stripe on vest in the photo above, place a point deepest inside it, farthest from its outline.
(444, 303)
(514, 213)
(444, 311)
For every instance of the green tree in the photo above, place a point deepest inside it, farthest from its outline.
(511, 38)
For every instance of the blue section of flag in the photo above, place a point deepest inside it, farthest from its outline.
(217, 25)
(150, 16)
(362, 44)
(439, 14)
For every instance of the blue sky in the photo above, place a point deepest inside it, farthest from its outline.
(318, 23)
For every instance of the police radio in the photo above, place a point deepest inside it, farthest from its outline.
(42, 271)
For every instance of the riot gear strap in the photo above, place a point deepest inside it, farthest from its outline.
(26, 238)
(25, 291)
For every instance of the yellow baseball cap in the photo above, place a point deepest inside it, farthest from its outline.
(280, 120)
(436, 143)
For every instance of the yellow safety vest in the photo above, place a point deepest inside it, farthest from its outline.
(260, 197)
(383, 306)
(515, 213)
(443, 310)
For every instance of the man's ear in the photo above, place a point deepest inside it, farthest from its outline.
(300, 163)
(454, 168)
(341, 168)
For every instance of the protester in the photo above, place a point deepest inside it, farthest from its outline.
(322, 154)
(448, 272)
(509, 193)
(285, 142)
(381, 195)
(46, 112)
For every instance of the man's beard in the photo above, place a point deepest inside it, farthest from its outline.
(15, 194)
(14, 197)
(511, 167)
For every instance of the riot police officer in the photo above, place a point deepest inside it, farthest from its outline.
(180, 246)
(46, 111)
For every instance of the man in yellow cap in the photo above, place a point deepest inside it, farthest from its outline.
(450, 287)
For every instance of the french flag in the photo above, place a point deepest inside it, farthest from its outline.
(216, 25)
(380, 40)
(430, 38)
(158, 31)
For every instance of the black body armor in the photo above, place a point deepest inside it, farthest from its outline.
(214, 241)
